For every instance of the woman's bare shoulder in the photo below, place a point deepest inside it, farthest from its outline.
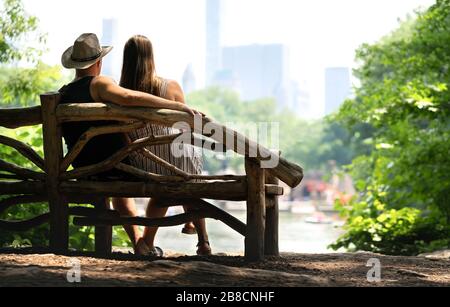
(173, 86)
(174, 90)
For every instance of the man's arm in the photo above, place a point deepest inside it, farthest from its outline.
(105, 89)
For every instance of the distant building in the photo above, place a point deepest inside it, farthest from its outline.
(189, 82)
(304, 107)
(337, 88)
(299, 99)
(213, 39)
(254, 71)
(227, 79)
(262, 71)
(110, 37)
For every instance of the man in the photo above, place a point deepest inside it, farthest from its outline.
(85, 56)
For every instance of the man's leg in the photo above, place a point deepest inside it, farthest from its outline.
(127, 207)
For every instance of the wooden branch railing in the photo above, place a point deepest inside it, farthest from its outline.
(9, 176)
(21, 172)
(148, 154)
(147, 176)
(259, 187)
(90, 134)
(215, 212)
(25, 225)
(115, 159)
(7, 203)
(45, 218)
(286, 171)
(25, 150)
(140, 221)
(203, 210)
(20, 117)
(232, 191)
(22, 187)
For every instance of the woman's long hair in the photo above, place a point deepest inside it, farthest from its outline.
(138, 69)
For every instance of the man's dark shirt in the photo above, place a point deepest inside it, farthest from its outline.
(100, 147)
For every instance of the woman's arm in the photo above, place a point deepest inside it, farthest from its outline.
(105, 89)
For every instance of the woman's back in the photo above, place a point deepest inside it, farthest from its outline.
(191, 159)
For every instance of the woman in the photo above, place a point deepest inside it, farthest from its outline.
(138, 73)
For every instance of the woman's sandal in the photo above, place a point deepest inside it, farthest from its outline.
(204, 248)
(156, 252)
(142, 249)
(189, 230)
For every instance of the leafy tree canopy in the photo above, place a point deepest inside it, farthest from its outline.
(404, 101)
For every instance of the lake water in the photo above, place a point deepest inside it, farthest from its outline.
(296, 235)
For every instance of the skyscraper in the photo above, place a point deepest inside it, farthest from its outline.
(111, 63)
(189, 82)
(337, 88)
(262, 71)
(301, 99)
(213, 39)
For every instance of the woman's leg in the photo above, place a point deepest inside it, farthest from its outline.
(153, 212)
(127, 207)
(204, 248)
(189, 228)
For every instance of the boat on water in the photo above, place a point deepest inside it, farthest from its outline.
(318, 220)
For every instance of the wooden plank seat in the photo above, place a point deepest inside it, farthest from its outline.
(51, 180)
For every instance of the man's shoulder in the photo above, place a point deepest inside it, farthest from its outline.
(102, 80)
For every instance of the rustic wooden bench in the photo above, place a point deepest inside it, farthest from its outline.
(59, 186)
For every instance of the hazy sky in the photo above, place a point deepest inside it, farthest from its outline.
(319, 33)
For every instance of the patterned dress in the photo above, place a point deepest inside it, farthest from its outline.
(190, 161)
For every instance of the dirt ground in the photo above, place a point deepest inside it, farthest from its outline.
(29, 268)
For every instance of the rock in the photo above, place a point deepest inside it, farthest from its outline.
(443, 254)
(412, 273)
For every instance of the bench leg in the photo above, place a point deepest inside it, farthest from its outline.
(53, 152)
(103, 234)
(59, 224)
(272, 219)
(256, 211)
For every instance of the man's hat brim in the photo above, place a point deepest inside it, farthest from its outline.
(67, 62)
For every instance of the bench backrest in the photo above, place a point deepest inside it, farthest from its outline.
(51, 115)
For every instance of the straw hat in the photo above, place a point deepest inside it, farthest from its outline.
(85, 52)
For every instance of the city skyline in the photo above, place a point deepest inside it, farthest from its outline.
(260, 71)
(337, 88)
(109, 37)
(214, 31)
(319, 34)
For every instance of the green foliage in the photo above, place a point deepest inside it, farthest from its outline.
(373, 226)
(38, 236)
(17, 28)
(309, 143)
(81, 238)
(405, 102)
(21, 87)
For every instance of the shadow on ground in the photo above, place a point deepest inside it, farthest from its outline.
(37, 267)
